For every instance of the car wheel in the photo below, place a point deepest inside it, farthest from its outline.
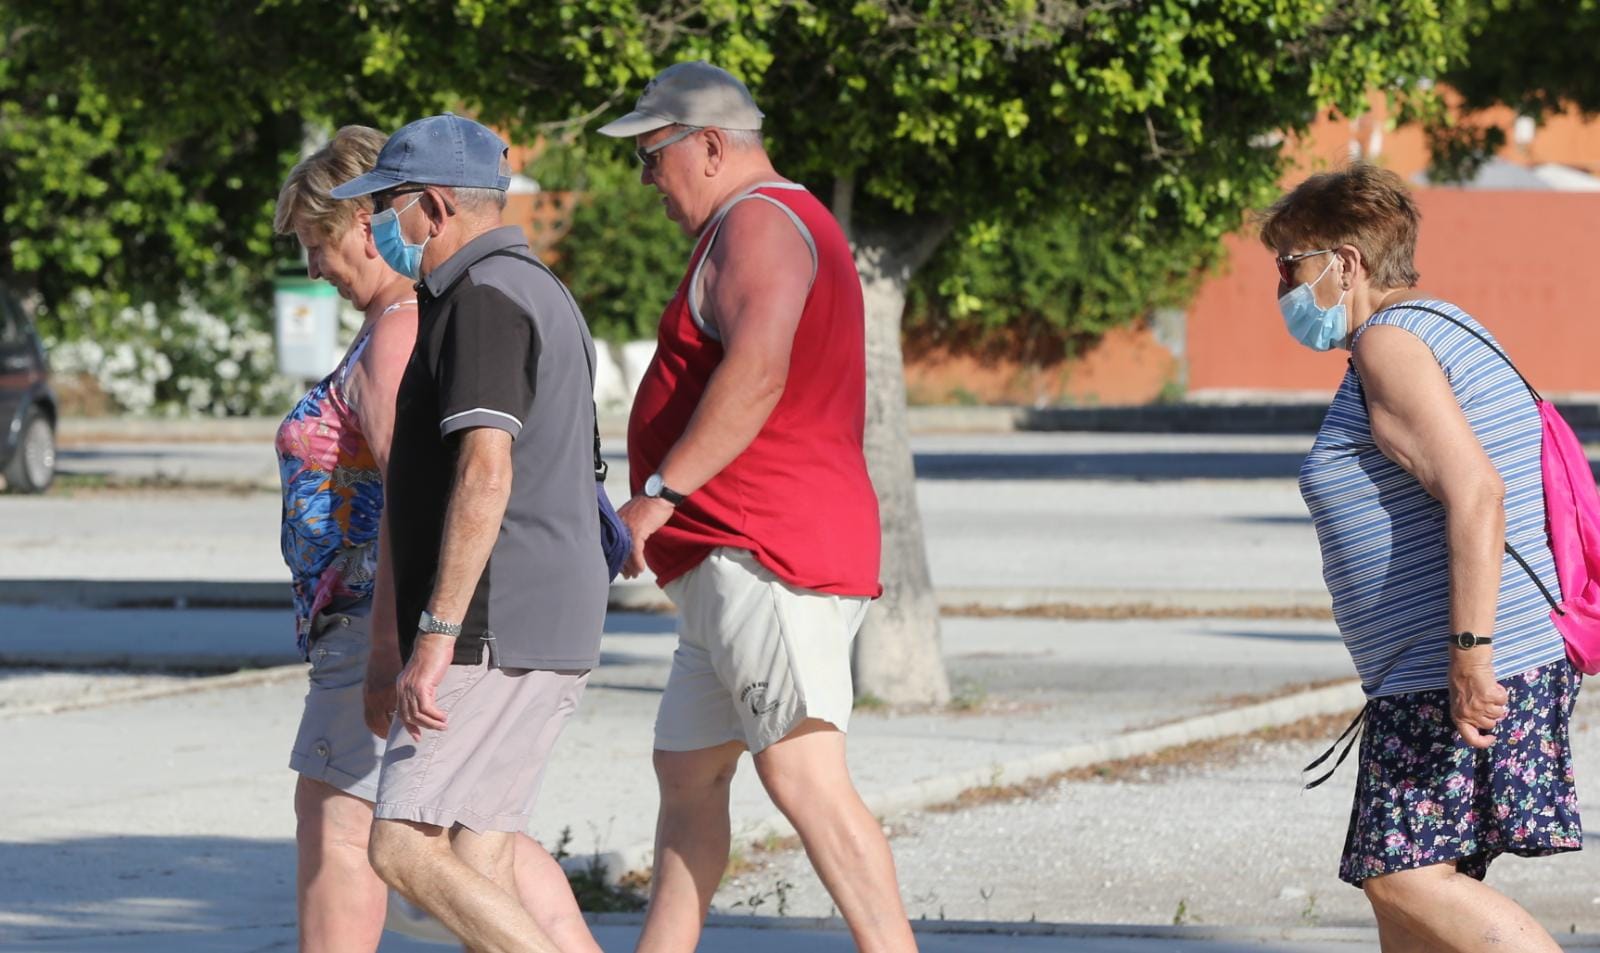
(33, 467)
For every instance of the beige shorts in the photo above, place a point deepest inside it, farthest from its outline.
(755, 656)
(483, 771)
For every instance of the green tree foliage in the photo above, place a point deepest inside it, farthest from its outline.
(1534, 56)
(621, 257)
(141, 147)
(141, 144)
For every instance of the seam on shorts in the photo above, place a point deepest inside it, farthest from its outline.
(433, 749)
(799, 712)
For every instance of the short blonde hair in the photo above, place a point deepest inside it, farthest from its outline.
(304, 201)
(1361, 205)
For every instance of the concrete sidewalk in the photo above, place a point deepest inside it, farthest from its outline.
(173, 814)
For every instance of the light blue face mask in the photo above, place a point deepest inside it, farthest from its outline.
(1316, 327)
(396, 252)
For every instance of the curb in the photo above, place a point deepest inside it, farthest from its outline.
(207, 683)
(1368, 937)
(1333, 699)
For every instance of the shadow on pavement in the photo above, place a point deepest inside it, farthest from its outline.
(59, 889)
(1278, 636)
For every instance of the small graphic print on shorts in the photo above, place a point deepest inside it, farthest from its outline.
(755, 695)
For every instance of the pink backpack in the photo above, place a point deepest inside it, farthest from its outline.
(1572, 520)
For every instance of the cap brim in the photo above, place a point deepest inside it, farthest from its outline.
(364, 185)
(635, 123)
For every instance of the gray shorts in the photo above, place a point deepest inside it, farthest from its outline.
(484, 770)
(334, 744)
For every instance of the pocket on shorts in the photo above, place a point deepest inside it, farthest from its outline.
(339, 654)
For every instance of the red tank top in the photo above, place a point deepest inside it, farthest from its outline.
(798, 497)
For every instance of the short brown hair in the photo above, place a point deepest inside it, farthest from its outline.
(1361, 205)
(304, 200)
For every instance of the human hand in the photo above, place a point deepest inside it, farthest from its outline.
(643, 515)
(419, 681)
(1477, 701)
(378, 692)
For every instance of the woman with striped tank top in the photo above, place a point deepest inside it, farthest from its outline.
(1423, 483)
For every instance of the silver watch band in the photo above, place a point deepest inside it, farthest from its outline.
(435, 626)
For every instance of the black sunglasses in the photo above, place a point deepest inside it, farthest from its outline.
(1286, 263)
(382, 200)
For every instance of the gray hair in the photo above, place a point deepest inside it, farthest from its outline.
(480, 201)
(743, 138)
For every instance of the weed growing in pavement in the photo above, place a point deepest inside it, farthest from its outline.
(779, 894)
(1181, 915)
(1309, 915)
(986, 893)
(969, 695)
(870, 702)
(590, 886)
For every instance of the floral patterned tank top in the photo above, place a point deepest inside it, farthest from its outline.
(332, 498)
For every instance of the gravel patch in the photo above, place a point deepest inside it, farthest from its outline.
(1228, 839)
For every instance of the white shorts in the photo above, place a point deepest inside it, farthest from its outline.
(755, 656)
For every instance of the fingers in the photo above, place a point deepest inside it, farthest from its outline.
(417, 710)
(1471, 734)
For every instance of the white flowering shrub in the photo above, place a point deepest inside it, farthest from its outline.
(189, 361)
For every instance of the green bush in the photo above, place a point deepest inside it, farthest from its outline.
(622, 257)
(1044, 288)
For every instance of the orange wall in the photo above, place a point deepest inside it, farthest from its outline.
(1526, 264)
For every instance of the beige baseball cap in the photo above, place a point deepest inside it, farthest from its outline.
(694, 93)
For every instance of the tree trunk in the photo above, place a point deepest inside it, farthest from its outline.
(897, 657)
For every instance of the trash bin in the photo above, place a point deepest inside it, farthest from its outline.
(307, 324)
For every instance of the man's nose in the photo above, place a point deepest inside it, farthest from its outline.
(311, 267)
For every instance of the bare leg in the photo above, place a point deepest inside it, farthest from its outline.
(1443, 910)
(459, 880)
(545, 892)
(808, 780)
(692, 840)
(341, 900)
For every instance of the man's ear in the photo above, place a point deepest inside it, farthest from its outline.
(438, 207)
(716, 146)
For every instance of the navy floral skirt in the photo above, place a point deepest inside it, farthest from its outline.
(1424, 796)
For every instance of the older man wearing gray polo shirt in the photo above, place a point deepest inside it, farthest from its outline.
(492, 528)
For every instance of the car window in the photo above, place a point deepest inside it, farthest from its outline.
(12, 329)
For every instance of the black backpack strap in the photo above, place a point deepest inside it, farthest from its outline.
(1511, 551)
(601, 468)
(1460, 324)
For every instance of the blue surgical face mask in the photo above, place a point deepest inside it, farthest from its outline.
(396, 252)
(1316, 327)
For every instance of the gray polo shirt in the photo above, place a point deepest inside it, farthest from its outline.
(500, 343)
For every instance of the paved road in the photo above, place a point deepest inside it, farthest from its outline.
(1157, 514)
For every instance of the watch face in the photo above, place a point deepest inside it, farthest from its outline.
(652, 486)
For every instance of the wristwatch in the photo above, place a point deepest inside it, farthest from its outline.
(1466, 640)
(436, 626)
(657, 490)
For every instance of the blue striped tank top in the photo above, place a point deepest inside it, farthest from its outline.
(1384, 554)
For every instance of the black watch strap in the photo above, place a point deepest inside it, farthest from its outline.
(1466, 640)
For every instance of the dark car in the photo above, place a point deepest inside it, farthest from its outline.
(27, 405)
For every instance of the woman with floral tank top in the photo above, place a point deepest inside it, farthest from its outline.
(332, 450)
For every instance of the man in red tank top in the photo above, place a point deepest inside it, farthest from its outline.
(753, 508)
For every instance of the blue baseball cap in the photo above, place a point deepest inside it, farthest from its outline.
(440, 150)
